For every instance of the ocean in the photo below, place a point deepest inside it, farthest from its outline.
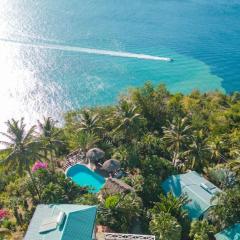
(59, 55)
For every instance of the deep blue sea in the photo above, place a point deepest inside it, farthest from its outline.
(43, 70)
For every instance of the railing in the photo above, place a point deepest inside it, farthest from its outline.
(121, 236)
(74, 158)
(67, 165)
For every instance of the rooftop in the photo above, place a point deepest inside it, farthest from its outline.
(231, 233)
(62, 222)
(198, 189)
(115, 186)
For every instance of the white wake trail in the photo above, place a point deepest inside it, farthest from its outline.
(89, 50)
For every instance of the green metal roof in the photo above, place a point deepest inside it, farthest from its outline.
(198, 189)
(231, 233)
(78, 223)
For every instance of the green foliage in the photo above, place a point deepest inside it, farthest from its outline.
(87, 199)
(152, 104)
(56, 187)
(201, 230)
(120, 212)
(221, 176)
(50, 138)
(172, 205)
(165, 227)
(88, 122)
(136, 181)
(227, 209)
(151, 190)
(154, 134)
(177, 137)
(22, 148)
(157, 166)
(6, 223)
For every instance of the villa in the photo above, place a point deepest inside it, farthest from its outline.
(71, 222)
(231, 233)
(198, 190)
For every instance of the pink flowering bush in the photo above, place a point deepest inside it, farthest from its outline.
(3, 214)
(39, 165)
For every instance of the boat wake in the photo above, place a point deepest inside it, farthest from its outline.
(88, 50)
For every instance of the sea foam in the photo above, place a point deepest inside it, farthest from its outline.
(89, 50)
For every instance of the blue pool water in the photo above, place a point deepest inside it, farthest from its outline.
(202, 36)
(84, 177)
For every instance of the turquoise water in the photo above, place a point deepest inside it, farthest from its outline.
(83, 177)
(202, 36)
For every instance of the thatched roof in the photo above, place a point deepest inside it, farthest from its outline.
(95, 154)
(111, 165)
(115, 186)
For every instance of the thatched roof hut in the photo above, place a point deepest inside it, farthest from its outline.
(95, 154)
(111, 165)
(115, 186)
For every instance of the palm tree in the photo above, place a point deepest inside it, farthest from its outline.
(88, 122)
(121, 211)
(171, 205)
(86, 140)
(216, 148)
(22, 148)
(177, 135)
(165, 227)
(235, 165)
(201, 230)
(128, 119)
(199, 150)
(50, 138)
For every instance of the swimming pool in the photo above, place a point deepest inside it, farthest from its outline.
(84, 177)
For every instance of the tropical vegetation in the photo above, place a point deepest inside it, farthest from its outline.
(154, 134)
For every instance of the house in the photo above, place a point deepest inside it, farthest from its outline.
(72, 222)
(198, 190)
(231, 233)
(62, 222)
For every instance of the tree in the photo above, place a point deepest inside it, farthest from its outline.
(221, 176)
(201, 230)
(89, 122)
(128, 117)
(136, 181)
(120, 212)
(199, 151)
(152, 104)
(56, 188)
(22, 148)
(227, 209)
(50, 138)
(165, 227)
(86, 140)
(177, 136)
(172, 205)
(235, 165)
(216, 148)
